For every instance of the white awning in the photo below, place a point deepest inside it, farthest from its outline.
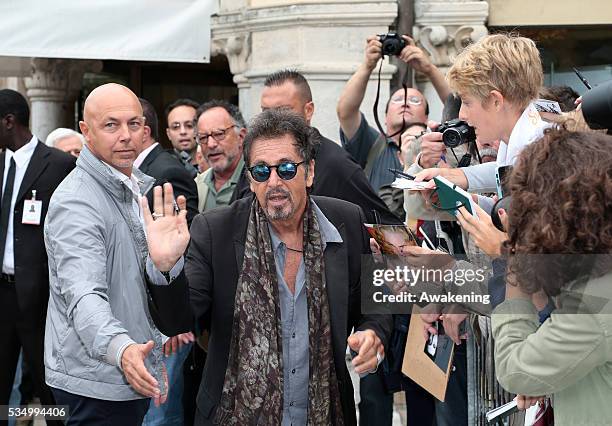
(134, 30)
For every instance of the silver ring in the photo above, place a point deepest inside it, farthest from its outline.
(378, 358)
(156, 215)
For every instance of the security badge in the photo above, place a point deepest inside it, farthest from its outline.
(32, 211)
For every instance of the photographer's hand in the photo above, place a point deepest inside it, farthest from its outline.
(373, 52)
(415, 57)
(432, 149)
(419, 61)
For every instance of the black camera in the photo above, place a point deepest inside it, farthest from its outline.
(392, 44)
(597, 106)
(456, 132)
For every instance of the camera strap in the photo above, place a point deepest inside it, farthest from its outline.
(375, 109)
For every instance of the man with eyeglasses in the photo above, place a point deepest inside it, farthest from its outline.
(181, 132)
(375, 153)
(277, 277)
(220, 130)
(103, 350)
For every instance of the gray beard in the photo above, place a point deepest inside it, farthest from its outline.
(488, 152)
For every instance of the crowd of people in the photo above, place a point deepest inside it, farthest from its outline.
(221, 281)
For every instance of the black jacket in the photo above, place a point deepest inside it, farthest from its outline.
(337, 175)
(164, 167)
(213, 266)
(47, 169)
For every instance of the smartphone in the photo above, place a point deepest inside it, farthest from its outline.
(502, 178)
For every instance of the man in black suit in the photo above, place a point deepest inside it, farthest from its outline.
(337, 174)
(163, 166)
(277, 277)
(29, 173)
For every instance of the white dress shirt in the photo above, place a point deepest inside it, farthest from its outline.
(141, 157)
(22, 159)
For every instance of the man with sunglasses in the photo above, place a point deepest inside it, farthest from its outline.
(277, 277)
(220, 131)
(372, 150)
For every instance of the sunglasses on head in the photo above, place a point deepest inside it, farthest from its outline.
(285, 170)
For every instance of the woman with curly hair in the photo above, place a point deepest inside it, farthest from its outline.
(560, 244)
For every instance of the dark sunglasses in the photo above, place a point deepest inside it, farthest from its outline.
(285, 170)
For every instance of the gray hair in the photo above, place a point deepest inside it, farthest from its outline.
(61, 133)
(231, 109)
(275, 123)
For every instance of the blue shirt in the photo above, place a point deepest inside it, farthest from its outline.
(294, 323)
(359, 147)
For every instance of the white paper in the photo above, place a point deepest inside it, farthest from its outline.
(409, 184)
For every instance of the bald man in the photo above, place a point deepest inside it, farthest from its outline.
(103, 341)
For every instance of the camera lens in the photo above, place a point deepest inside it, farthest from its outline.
(452, 138)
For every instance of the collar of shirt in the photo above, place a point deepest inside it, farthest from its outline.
(22, 156)
(527, 129)
(141, 157)
(130, 181)
(329, 233)
(233, 180)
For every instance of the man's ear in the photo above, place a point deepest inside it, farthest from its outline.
(496, 100)
(9, 121)
(147, 133)
(84, 130)
(242, 133)
(310, 174)
(309, 111)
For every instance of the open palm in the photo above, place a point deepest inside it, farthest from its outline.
(167, 231)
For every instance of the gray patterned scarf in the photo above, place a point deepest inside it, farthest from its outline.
(253, 386)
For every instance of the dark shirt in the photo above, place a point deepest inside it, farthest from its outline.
(360, 145)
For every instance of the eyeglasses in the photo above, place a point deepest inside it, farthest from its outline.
(285, 170)
(412, 100)
(188, 125)
(217, 135)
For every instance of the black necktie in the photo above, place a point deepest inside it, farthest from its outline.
(5, 208)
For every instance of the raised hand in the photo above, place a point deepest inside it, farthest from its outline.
(167, 231)
(415, 56)
(373, 52)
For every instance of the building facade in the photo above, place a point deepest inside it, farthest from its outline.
(325, 40)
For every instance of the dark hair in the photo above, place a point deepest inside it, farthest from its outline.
(150, 118)
(279, 78)
(12, 102)
(564, 95)
(178, 103)
(275, 123)
(561, 207)
(231, 109)
(398, 88)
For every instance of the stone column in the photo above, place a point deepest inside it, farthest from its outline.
(324, 40)
(443, 28)
(52, 88)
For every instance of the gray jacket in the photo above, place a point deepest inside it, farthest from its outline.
(97, 252)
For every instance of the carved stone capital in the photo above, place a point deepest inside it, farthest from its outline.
(57, 80)
(237, 49)
(444, 27)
